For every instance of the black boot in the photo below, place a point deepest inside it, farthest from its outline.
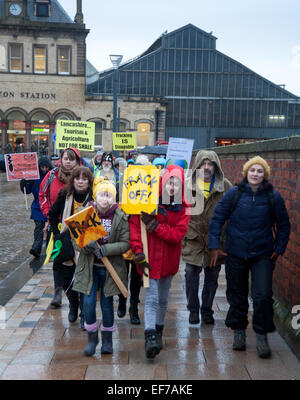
(73, 305)
(93, 340)
(151, 345)
(56, 301)
(159, 331)
(262, 346)
(107, 347)
(133, 312)
(239, 340)
(122, 306)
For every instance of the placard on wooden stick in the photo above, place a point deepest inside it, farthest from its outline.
(86, 226)
(140, 193)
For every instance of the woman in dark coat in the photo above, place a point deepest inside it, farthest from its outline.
(36, 214)
(71, 199)
(250, 246)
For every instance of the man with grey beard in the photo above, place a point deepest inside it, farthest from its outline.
(207, 185)
(107, 169)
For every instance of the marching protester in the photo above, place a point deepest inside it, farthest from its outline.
(71, 199)
(53, 182)
(208, 186)
(159, 162)
(253, 210)
(55, 160)
(91, 274)
(37, 216)
(165, 232)
(135, 279)
(96, 161)
(106, 169)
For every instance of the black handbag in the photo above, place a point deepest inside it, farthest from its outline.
(63, 248)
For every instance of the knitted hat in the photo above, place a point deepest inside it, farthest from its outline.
(257, 160)
(103, 185)
(107, 157)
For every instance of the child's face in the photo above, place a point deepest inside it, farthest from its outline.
(104, 200)
(173, 186)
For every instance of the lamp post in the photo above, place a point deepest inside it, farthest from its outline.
(116, 61)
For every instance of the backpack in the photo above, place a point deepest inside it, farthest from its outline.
(270, 194)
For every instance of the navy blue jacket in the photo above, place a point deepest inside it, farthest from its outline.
(249, 229)
(34, 188)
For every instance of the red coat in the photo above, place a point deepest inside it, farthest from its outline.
(49, 191)
(164, 244)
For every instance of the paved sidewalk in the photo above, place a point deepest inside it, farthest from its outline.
(37, 342)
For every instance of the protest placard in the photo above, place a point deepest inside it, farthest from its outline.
(22, 166)
(140, 190)
(180, 152)
(124, 141)
(77, 134)
(85, 226)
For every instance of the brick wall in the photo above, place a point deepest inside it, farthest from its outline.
(283, 156)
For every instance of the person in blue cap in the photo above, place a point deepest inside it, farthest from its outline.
(159, 162)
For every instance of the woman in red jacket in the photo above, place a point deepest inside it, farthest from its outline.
(51, 185)
(165, 232)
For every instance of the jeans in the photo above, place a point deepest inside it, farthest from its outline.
(192, 273)
(237, 276)
(38, 236)
(106, 303)
(156, 302)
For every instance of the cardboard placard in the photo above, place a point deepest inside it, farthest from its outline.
(140, 191)
(22, 166)
(77, 134)
(85, 226)
(124, 141)
(180, 152)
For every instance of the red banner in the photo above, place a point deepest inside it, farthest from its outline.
(22, 166)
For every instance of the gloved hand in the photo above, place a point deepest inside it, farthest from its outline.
(150, 221)
(97, 249)
(140, 260)
(214, 255)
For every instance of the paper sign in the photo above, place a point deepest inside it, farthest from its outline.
(124, 141)
(22, 166)
(180, 152)
(77, 134)
(85, 226)
(140, 190)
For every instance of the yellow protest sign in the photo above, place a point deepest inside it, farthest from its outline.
(85, 226)
(124, 141)
(77, 134)
(140, 189)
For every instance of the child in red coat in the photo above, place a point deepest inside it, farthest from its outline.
(165, 232)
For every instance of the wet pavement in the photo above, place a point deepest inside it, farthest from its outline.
(37, 342)
(16, 237)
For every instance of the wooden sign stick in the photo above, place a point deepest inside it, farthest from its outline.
(115, 276)
(26, 203)
(146, 282)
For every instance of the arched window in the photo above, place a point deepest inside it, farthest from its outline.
(99, 125)
(16, 131)
(143, 134)
(40, 130)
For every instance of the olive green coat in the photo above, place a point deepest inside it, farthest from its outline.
(194, 246)
(118, 244)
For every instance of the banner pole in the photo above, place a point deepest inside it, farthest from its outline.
(146, 282)
(26, 203)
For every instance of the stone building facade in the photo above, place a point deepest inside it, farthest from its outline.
(43, 73)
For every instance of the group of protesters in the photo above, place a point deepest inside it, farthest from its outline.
(203, 220)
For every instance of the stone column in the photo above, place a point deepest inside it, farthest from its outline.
(4, 136)
(51, 141)
(28, 136)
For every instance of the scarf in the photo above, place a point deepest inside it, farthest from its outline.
(64, 174)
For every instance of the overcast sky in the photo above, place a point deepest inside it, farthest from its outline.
(264, 35)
